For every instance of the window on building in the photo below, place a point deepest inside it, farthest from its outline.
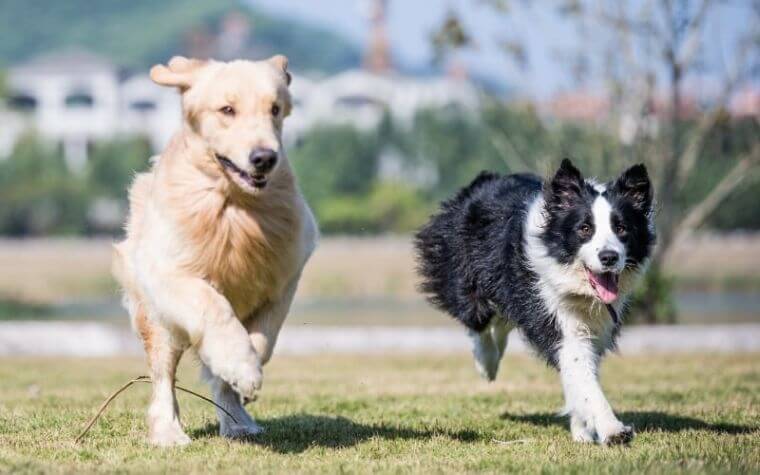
(142, 105)
(79, 99)
(356, 101)
(22, 102)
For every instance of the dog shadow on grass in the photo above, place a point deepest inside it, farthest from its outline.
(643, 421)
(299, 432)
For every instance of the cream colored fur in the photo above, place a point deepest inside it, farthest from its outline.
(209, 262)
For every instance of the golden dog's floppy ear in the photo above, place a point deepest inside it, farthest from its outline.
(179, 72)
(281, 62)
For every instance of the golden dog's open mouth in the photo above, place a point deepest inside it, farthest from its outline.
(255, 180)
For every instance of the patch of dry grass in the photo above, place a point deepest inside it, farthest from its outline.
(342, 268)
(52, 270)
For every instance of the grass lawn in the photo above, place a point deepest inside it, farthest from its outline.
(390, 414)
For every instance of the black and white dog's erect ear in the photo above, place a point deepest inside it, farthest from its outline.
(635, 186)
(565, 188)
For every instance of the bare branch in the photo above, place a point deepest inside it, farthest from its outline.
(697, 138)
(621, 23)
(730, 181)
(667, 9)
(507, 151)
(690, 46)
(689, 156)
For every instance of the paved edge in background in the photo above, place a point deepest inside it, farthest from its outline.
(94, 339)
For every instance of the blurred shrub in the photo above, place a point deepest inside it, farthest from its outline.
(112, 165)
(338, 170)
(335, 160)
(38, 194)
(3, 85)
(388, 207)
(727, 142)
(661, 306)
(454, 145)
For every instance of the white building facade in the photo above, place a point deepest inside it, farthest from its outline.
(76, 98)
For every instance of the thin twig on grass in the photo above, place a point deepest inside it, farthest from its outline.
(140, 379)
(511, 442)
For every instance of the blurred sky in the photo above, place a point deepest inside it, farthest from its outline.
(543, 33)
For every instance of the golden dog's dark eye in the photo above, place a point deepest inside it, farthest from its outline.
(275, 110)
(227, 110)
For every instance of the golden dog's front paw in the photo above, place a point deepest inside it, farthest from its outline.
(168, 435)
(245, 378)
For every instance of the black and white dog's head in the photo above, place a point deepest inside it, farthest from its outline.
(600, 234)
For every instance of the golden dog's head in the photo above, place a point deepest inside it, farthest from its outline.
(237, 109)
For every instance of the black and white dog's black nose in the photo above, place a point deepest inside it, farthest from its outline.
(608, 258)
(263, 159)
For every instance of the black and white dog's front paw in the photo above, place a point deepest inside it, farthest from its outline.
(619, 436)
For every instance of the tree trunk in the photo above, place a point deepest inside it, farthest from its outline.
(656, 298)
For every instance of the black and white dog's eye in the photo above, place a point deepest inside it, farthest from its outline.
(585, 229)
(620, 229)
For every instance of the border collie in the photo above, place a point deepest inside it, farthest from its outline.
(555, 259)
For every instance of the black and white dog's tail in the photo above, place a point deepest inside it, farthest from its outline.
(488, 346)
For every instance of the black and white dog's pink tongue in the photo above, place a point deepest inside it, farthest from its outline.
(605, 285)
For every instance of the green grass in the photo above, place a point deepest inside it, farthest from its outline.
(390, 414)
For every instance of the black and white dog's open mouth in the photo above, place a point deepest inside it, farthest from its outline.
(605, 284)
(256, 180)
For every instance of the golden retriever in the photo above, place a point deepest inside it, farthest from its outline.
(217, 236)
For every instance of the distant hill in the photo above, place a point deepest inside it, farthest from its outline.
(139, 33)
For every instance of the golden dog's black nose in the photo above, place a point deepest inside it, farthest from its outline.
(263, 159)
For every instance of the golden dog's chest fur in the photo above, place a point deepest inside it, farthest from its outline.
(231, 242)
(247, 249)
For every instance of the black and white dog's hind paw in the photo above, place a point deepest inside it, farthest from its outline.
(488, 347)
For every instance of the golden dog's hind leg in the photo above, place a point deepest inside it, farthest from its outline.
(265, 326)
(164, 353)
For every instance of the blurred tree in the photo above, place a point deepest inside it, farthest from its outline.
(336, 164)
(376, 181)
(3, 85)
(453, 144)
(38, 193)
(641, 42)
(108, 174)
(336, 159)
(112, 165)
(388, 207)
(450, 36)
